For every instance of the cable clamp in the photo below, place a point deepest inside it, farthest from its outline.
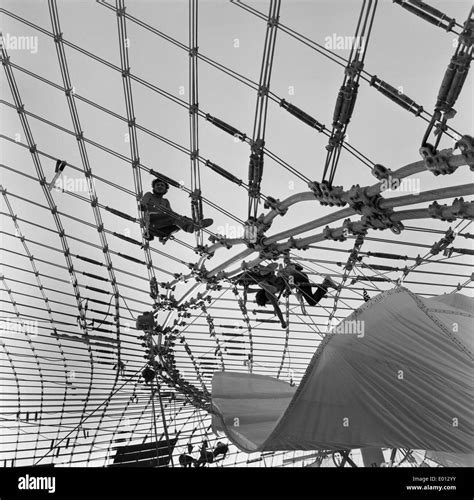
(466, 146)
(437, 162)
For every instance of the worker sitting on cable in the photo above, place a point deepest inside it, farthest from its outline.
(293, 275)
(270, 285)
(186, 460)
(205, 456)
(160, 220)
(208, 457)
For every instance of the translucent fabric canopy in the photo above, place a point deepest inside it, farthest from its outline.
(396, 373)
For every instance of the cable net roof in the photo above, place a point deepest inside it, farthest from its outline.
(126, 93)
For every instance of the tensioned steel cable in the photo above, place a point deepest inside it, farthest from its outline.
(67, 83)
(87, 243)
(256, 164)
(246, 81)
(386, 89)
(133, 139)
(347, 95)
(196, 197)
(43, 294)
(118, 155)
(147, 84)
(52, 206)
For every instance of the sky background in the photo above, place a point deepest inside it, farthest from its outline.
(403, 50)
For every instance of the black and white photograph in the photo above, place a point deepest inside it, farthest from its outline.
(236, 235)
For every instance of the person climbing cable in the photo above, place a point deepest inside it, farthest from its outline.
(293, 275)
(265, 296)
(273, 285)
(269, 283)
(205, 456)
(187, 460)
(161, 220)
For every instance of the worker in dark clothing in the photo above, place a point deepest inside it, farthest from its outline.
(263, 297)
(293, 275)
(186, 460)
(209, 457)
(160, 219)
(273, 285)
(205, 457)
(220, 449)
(148, 374)
(270, 285)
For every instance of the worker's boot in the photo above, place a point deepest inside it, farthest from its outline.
(329, 283)
(202, 224)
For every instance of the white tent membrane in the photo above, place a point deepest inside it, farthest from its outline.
(451, 459)
(406, 382)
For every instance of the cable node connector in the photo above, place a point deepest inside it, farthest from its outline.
(382, 173)
(466, 146)
(437, 162)
(327, 194)
(263, 90)
(273, 21)
(334, 234)
(275, 204)
(221, 240)
(354, 68)
(270, 252)
(467, 36)
(381, 220)
(354, 228)
(203, 250)
(459, 208)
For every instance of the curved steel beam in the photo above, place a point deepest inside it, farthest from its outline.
(407, 170)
